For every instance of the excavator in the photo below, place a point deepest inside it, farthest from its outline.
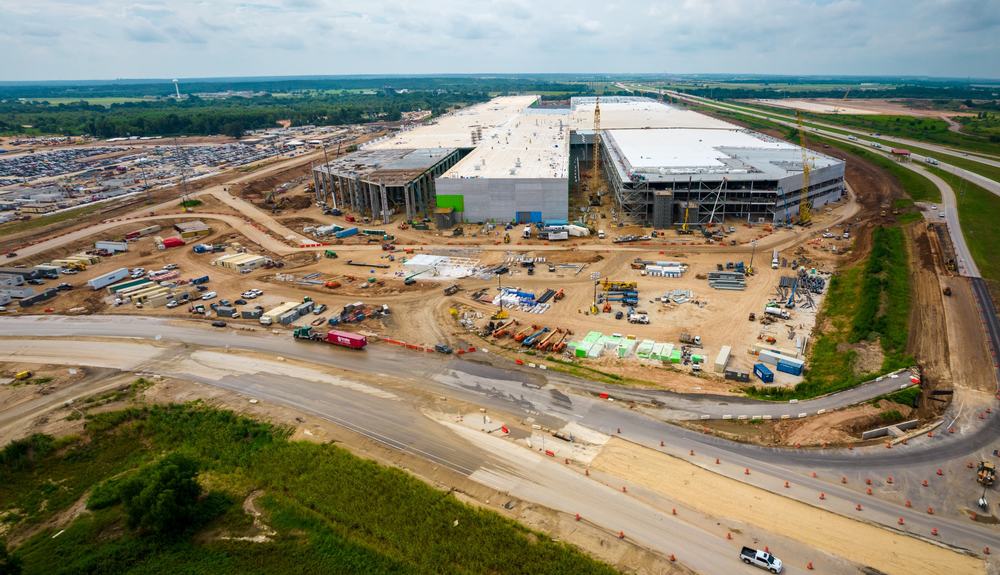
(986, 474)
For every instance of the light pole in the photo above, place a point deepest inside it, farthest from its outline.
(752, 254)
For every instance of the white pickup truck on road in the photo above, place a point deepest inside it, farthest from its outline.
(761, 559)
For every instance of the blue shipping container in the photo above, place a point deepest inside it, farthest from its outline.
(788, 367)
(765, 374)
(528, 217)
(198, 281)
(346, 233)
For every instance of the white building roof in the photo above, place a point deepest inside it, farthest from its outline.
(618, 112)
(455, 130)
(686, 148)
(530, 145)
(732, 153)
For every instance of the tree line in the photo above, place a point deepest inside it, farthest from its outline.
(230, 116)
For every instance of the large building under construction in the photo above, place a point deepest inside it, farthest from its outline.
(507, 160)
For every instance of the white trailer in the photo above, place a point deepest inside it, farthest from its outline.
(109, 278)
(113, 247)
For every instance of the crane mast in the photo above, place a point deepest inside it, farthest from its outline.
(805, 215)
(596, 184)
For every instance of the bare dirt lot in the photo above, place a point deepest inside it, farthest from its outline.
(857, 106)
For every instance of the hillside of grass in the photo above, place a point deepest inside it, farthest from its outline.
(330, 512)
(978, 212)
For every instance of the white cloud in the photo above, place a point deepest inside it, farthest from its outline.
(67, 39)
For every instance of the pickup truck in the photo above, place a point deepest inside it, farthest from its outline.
(761, 559)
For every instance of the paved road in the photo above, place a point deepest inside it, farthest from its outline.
(397, 422)
(389, 359)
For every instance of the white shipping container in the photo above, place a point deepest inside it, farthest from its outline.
(109, 278)
(110, 246)
(722, 360)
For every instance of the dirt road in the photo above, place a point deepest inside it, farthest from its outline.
(866, 544)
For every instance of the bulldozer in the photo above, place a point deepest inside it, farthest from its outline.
(986, 474)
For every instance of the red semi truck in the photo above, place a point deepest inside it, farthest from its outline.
(335, 337)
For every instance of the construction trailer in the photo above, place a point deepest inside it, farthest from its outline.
(192, 229)
(111, 246)
(240, 262)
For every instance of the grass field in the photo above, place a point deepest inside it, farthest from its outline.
(37, 222)
(331, 511)
(978, 212)
(919, 188)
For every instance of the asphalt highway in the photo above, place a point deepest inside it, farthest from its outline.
(399, 424)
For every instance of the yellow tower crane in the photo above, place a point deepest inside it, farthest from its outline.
(805, 215)
(596, 184)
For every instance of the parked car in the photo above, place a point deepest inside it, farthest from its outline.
(64, 286)
(240, 302)
(224, 302)
(12, 254)
(320, 309)
(169, 267)
(218, 323)
(201, 288)
(172, 303)
(619, 315)
(442, 348)
(68, 271)
(209, 295)
(36, 282)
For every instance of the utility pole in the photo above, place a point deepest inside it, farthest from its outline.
(184, 167)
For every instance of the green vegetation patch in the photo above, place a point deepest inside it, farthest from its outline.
(165, 487)
(883, 308)
(33, 223)
(190, 203)
(978, 212)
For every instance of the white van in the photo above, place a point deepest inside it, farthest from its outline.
(600, 234)
(209, 295)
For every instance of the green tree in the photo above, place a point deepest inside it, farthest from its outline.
(163, 498)
(9, 564)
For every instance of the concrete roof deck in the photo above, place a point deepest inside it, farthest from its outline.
(454, 130)
(623, 112)
(531, 145)
(392, 166)
(736, 154)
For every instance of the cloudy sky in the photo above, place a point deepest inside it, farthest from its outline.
(99, 39)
